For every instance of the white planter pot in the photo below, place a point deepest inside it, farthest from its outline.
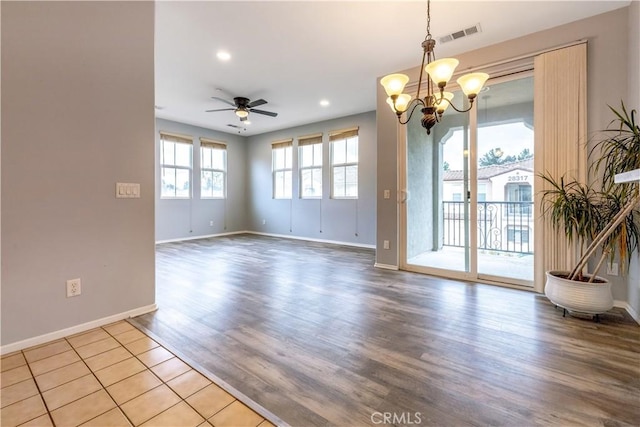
(590, 298)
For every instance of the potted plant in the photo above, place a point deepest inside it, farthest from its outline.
(604, 218)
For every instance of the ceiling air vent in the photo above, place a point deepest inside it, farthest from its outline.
(462, 33)
(240, 128)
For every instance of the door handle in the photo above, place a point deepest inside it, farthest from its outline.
(403, 196)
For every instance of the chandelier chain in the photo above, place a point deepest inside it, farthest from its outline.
(428, 36)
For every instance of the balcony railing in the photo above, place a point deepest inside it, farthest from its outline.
(502, 226)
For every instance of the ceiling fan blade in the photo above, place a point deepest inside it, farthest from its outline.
(256, 103)
(226, 101)
(266, 113)
(220, 109)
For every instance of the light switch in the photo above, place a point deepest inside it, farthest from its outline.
(126, 190)
(387, 194)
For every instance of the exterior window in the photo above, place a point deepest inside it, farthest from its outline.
(518, 193)
(456, 197)
(175, 167)
(310, 155)
(482, 192)
(213, 169)
(281, 153)
(518, 235)
(344, 164)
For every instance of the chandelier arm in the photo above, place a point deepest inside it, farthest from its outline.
(463, 110)
(424, 54)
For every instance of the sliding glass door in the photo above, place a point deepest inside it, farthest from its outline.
(437, 215)
(468, 205)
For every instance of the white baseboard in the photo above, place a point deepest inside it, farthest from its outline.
(310, 239)
(206, 236)
(385, 266)
(52, 336)
(284, 236)
(628, 308)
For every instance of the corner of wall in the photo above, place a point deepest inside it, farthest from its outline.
(633, 102)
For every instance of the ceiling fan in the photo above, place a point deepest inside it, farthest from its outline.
(243, 106)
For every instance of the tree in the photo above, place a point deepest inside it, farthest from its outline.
(525, 154)
(494, 157)
(445, 166)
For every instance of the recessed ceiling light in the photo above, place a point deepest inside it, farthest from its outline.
(324, 103)
(223, 55)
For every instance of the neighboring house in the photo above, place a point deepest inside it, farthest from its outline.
(510, 182)
(505, 206)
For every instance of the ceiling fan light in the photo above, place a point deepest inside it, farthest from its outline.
(394, 83)
(242, 113)
(471, 84)
(441, 70)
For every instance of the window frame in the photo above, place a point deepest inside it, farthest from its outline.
(175, 139)
(207, 144)
(287, 146)
(311, 141)
(344, 135)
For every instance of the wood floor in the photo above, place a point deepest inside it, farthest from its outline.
(318, 336)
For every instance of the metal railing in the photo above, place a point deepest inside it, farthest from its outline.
(502, 226)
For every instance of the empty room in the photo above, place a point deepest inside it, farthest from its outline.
(320, 213)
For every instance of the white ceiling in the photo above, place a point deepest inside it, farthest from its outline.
(293, 54)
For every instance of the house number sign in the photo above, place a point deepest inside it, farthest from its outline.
(514, 178)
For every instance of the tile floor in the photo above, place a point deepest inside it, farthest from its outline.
(112, 376)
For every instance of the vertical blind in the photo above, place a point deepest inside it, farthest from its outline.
(560, 113)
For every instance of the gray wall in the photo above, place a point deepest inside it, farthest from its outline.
(606, 62)
(351, 221)
(77, 116)
(183, 219)
(633, 102)
(420, 185)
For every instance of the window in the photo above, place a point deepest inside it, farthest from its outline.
(520, 196)
(518, 235)
(281, 152)
(344, 164)
(310, 155)
(175, 166)
(482, 192)
(213, 169)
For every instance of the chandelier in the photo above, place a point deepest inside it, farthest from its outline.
(433, 104)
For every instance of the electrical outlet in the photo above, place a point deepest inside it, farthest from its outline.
(612, 269)
(210, 223)
(264, 221)
(385, 244)
(74, 288)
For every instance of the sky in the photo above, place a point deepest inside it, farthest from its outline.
(512, 138)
